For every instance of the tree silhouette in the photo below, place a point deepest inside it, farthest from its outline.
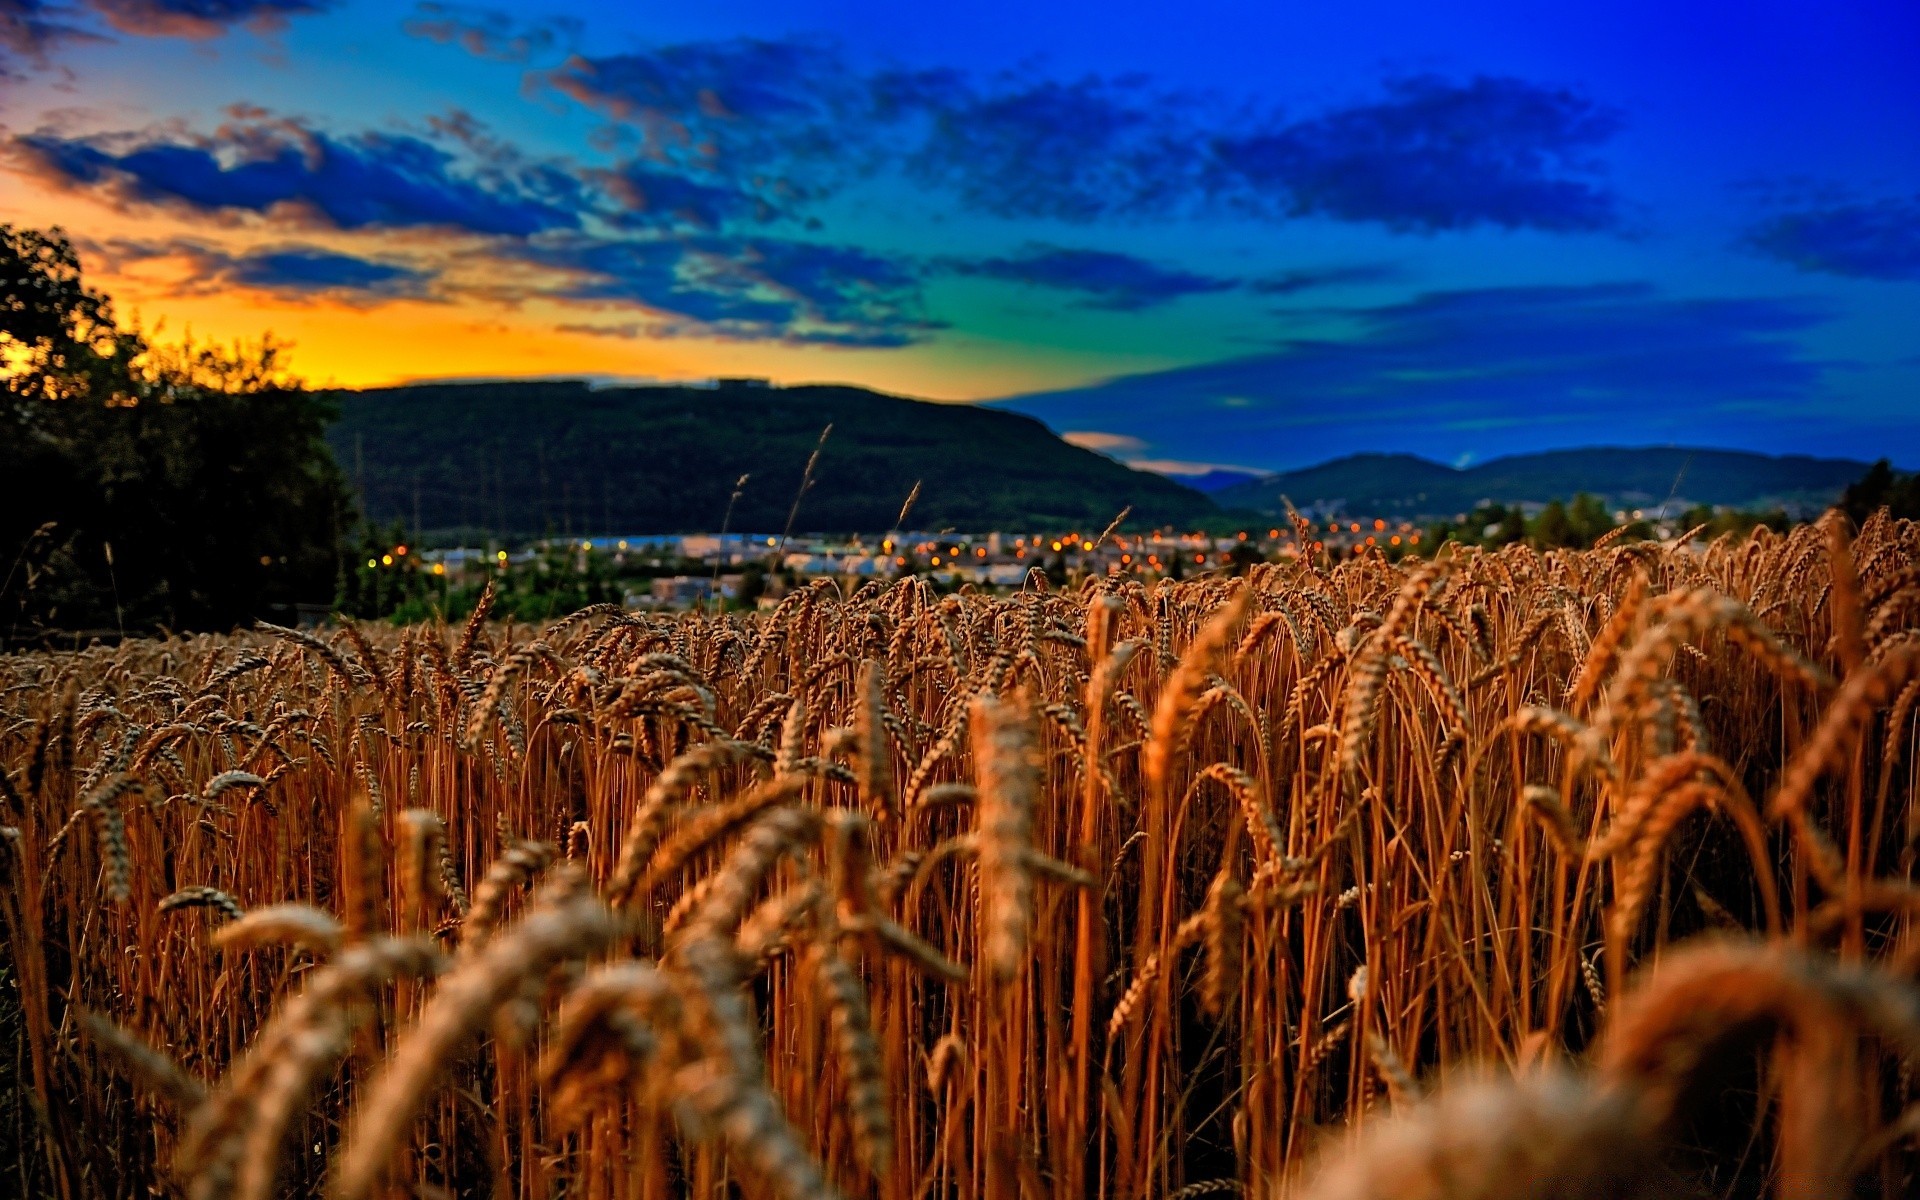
(141, 486)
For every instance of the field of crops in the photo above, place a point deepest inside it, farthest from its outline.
(1576, 874)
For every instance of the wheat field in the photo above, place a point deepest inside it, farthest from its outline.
(1504, 874)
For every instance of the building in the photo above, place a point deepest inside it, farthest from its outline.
(682, 589)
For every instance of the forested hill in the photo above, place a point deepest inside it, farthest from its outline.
(564, 458)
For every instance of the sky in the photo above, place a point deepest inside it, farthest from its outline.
(1191, 236)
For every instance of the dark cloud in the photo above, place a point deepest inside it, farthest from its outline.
(1877, 239)
(490, 33)
(1436, 155)
(1487, 372)
(642, 197)
(304, 270)
(734, 107)
(290, 271)
(1118, 282)
(30, 32)
(202, 18)
(1066, 151)
(1304, 279)
(371, 180)
(753, 289)
(793, 121)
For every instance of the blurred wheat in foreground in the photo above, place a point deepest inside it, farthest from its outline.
(1579, 874)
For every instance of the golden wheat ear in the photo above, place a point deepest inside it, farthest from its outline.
(1668, 1036)
(152, 1068)
(1547, 1135)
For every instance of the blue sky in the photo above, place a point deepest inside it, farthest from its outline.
(1186, 235)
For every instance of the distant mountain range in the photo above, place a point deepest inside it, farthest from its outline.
(535, 458)
(1409, 486)
(1215, 481)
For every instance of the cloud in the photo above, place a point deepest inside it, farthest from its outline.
(1288, 283)
(730, 108)
(1877, 239)
(1074, 151)
(1116, 282)
(489, 33)
(303, 270)
(370, 180)
(753, 289)
(797, 120)
(295, 272)
(1494, 371)
(1436, 155)
(1105, 443)
(202, 19)
(642, 197)
(627, 330)
(31, 31)
(630, 238)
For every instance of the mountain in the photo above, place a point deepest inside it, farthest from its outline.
(1218, 479)
(1409, 486)
(567, 458)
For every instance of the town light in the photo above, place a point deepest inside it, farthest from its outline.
(386, 560)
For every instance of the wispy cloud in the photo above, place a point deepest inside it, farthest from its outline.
(369, 180)
(1492, 370)
(1073, 150)
(31, 31)
(1437, 155)
(1288, 283)
(490, 33)
(1105, 443)
(201, 19)
(1863, 239)
(744, 289)
(1117, 282)
(289, 272)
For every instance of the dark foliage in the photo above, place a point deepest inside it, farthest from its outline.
(140, 487)
(1882, 485)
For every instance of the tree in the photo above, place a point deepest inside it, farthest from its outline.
(1589, 518)
(1513, 526)
(1553, 528)
(144, 486)
(1881, 487)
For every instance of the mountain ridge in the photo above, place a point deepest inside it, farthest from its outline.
(1624, 476)
(564, 457)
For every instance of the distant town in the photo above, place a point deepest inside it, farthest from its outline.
(675, 571)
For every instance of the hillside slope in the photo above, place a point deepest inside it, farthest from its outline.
(562, 458)
(1406, 485)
